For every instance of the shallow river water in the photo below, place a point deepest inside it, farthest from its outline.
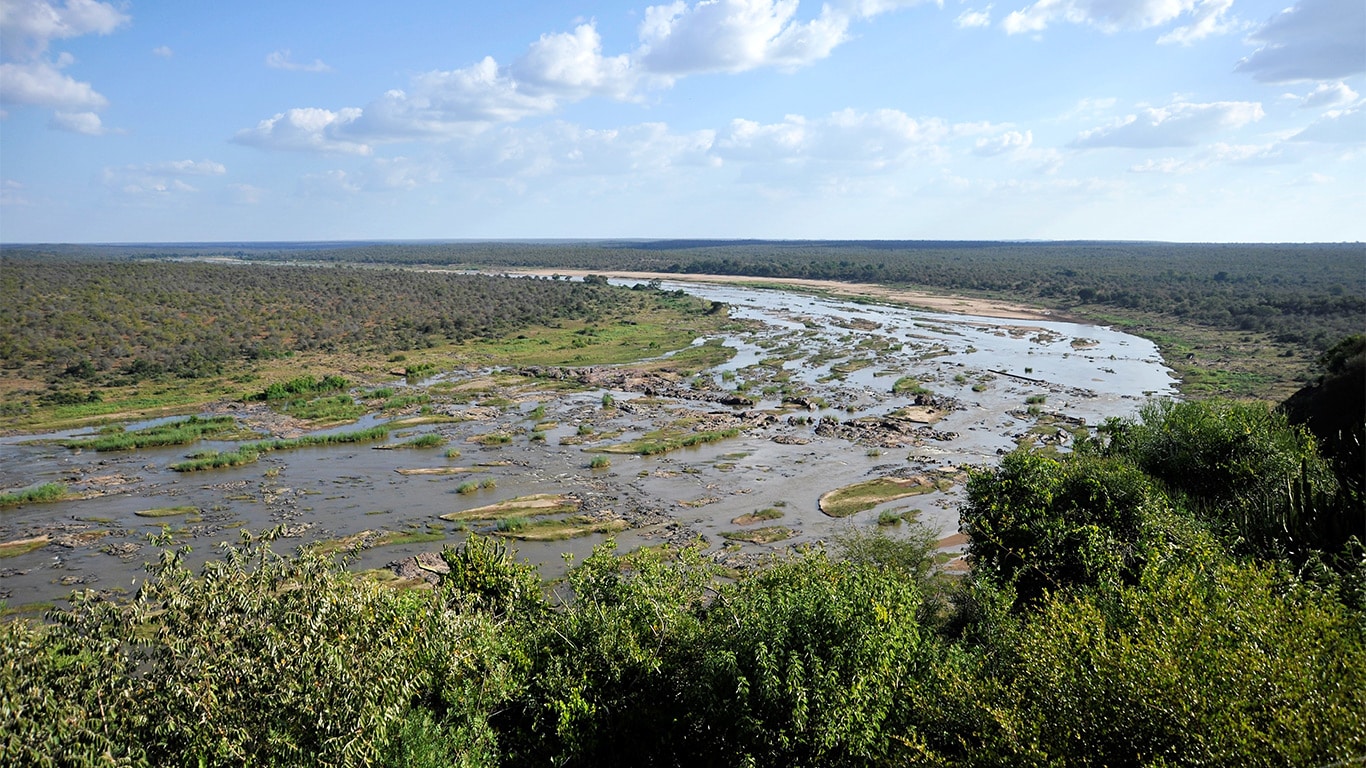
(995, 382)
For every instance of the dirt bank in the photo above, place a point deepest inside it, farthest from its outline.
(958, 305)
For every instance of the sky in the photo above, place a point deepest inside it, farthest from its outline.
(1174, 120)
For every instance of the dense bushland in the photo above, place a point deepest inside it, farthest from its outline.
(1115, 615)
(97, 322)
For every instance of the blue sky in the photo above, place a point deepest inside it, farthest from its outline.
(1182, 120)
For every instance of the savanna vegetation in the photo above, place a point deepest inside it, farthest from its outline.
(81, 338)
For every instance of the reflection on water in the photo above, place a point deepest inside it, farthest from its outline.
(844, 353)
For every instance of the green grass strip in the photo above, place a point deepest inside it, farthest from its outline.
(35, 495)
(182, 432)
(252, 451)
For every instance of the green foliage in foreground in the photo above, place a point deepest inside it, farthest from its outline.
(278, 660)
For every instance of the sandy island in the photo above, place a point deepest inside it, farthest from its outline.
(957, 305)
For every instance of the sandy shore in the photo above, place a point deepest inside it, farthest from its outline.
(958, 305)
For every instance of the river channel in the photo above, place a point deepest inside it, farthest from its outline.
(984, 386)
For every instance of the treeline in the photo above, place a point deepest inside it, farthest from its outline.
(1309, 295)
(1188, 589)
(109, 322)
(1303, 294)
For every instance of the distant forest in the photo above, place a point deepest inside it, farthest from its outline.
(1309, 295)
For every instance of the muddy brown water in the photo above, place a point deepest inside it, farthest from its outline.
(846, 353)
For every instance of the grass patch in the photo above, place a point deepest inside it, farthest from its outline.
(600, 462)
(337, 408)
(421, 441)
(852, 499)
(758, 516)
(909, 385)
(765, 535)
(249, 453)
(182, 432)
(37, 494)
(559, 530)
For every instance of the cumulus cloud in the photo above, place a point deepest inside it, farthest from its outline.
(735, 35)
(1176, 125)
(572, 66)
(970, 18)
(309, 128)
(30, 76)
(1010, 141)
(1329, 95)
(562, 68)
(281, 60)
(1336, 127)
(164, 51)
(27, 26)
(1207, 16)
(87, 123)
(1311, 40)
(42, 83)
(159, 178)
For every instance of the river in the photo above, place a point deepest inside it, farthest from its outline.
(995, 382)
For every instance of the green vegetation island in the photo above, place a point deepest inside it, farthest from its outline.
(1185, 585)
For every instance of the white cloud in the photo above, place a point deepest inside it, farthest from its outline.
(969, 19)
(308, 128)
(188, 168)
(563, 68)
(571, 65)
(164, 51)
(844, 142)
(1336, 127)
(737, 35)
(29, 76)
(1010, 141)
(281, 60)
(159, 178)
(27, 26)
(1312, 40)
(1329, 95)
(87, 123)
(1209, 20)
(1176, 125)
(41, 83)
(1115, 15)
